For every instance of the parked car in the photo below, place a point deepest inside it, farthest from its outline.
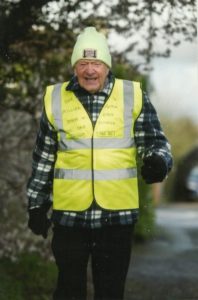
(192, 183)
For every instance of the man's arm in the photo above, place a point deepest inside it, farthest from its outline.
(152, 145)
(39, 186)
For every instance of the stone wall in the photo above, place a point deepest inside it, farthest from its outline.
(17, 137)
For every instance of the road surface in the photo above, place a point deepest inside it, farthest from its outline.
(166, 268)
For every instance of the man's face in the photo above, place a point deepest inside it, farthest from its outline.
(91, 74)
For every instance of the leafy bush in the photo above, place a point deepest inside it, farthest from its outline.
(145, 228)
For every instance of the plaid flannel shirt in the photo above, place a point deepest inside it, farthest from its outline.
(149, 139)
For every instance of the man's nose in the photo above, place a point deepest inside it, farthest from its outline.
(89, 69)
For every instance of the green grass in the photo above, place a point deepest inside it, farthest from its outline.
(29, 277)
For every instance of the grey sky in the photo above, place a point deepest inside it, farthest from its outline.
(175, 82)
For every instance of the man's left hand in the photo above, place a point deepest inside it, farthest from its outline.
(154, 169)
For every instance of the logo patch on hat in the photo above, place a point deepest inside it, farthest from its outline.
(89, 53)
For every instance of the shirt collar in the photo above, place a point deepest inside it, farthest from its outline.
(75, 87)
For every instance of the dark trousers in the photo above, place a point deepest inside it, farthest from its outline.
(109, 249)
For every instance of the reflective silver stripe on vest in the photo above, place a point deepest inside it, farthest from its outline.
(98, 174)
(56, 105)
(128, 106)
(99, 143)
(57, 112)
(68, 144)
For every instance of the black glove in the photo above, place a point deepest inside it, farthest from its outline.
(38, 221)
(154, 169)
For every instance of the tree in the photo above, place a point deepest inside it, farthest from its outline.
(151, 19)
(36, 38)
(183, 136)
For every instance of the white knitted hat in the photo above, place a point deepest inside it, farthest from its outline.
(91, 44)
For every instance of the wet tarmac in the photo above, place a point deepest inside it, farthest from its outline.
(166, 267)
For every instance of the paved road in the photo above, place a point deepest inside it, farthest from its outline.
(166, 268)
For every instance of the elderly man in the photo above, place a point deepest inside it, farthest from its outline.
(84, 165)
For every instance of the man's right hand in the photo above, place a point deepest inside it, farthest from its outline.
(38, 221)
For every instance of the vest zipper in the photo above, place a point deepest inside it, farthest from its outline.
(92, 165)
(92, 160)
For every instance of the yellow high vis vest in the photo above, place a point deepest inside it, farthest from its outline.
(95, 162)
